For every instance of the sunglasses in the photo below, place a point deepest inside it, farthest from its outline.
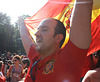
(14, 60)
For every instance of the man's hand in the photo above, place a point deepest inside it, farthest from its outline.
(25, 35)
(20, 20)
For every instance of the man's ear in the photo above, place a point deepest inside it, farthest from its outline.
(59, 37)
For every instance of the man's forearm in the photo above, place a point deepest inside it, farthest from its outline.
(25, 36)
(80, 33)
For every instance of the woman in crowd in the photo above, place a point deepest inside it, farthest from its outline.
(15, 70)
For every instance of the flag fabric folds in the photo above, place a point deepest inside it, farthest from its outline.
(95, 28)
(61, 10)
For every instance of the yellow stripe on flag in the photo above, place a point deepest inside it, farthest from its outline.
(95, 10)
(95, 14)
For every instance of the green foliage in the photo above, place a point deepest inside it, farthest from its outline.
(25, 16)
(9, 36)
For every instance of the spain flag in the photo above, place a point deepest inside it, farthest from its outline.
(95, 28)
(58, 9)
(61, 10)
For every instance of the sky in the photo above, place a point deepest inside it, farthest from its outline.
(16, 8)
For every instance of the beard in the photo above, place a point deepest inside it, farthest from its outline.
(38, 48)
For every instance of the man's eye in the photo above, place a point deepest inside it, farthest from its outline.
(44, 29)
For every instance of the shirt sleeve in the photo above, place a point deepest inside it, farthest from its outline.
(71, 53)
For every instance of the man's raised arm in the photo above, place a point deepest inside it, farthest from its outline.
(25, 35)
(80, 33)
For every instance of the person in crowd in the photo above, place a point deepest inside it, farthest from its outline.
(93, 74)
(3, 65)
(8, 55)
(2, 78)
(92, 62)
(5, 68)
(25, 63)
(15, 70)
(9, 63)
(49, 63)
(95, 60)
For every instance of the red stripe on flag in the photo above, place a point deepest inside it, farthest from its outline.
(48, 10)
(95, 32)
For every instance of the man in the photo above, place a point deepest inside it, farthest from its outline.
(49, 63)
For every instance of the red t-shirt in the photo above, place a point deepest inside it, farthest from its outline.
(63, 66)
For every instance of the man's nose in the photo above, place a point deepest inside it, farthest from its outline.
(37, 33)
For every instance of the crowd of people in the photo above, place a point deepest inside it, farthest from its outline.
(13, 68)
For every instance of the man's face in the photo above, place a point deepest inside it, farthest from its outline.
(45, 39)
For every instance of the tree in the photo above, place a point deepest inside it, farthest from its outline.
(9, 36)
